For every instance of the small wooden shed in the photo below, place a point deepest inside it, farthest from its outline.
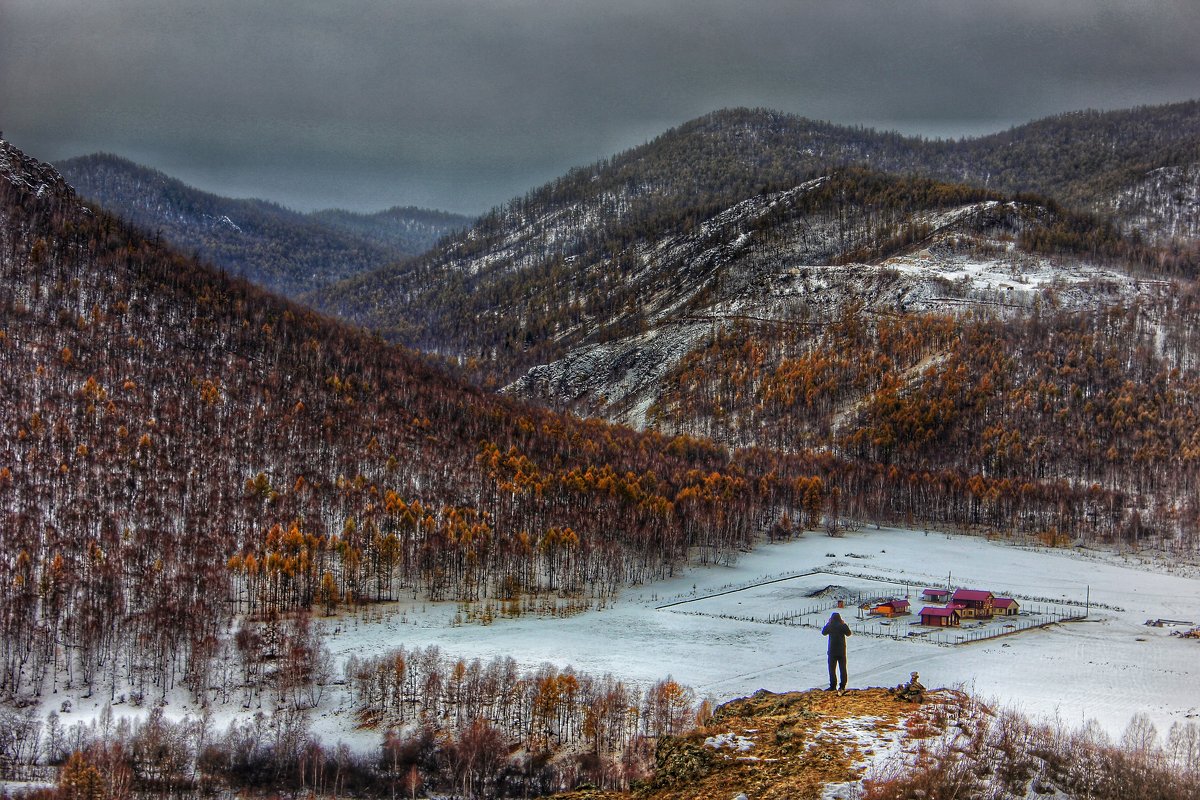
(891, 608)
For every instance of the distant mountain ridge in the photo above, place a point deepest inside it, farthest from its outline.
(407, 229)
(281, 249)
(745, 278)
(568, 263)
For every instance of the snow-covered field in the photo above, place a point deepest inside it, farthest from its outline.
(1106, 668)
(809, 598)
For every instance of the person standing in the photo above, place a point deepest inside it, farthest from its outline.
(837, 630)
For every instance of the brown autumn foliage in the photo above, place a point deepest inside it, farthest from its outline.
(181, 447)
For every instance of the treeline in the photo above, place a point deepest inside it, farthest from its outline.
(1099, 240)
(1103, 400)
(539, 710)
(1079, 158)
(447, 726)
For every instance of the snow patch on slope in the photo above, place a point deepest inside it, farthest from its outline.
(786, 282)
(227, 222)
(732, 741)
(1164, 205)
(877, 744)
(622, 376)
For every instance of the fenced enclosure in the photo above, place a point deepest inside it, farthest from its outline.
(799, 601)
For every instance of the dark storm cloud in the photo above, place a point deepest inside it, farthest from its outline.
(463, 103)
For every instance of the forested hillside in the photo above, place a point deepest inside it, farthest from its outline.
(184, 448)
(407, 230)
(960, 332)
(570, 263)
(930, 328)
(1102, 398)
(283, 250)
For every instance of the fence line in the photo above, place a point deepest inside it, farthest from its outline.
(1061, 601)
(1030, 618)
(737, 589)
(784, 617)
(904, 628)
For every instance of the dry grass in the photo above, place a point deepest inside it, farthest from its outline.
(955, 747)
(801, 741)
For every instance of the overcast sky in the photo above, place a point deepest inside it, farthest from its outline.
(462, 104)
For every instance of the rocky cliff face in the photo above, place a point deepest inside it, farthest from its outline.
(30, 176)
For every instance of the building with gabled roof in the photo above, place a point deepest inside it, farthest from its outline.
(939, 617)
(891, 608)
(975, 603)
(1006, 607)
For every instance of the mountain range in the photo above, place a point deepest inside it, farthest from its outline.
(754, 326)
(186, 446)
(768, 281)
(568, 264)
(275, 247)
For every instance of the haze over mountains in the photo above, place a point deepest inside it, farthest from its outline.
(282, 250)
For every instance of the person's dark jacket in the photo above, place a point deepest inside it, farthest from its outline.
(837, 630)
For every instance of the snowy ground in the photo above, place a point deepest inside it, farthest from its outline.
(1107, 668)
(808, 599)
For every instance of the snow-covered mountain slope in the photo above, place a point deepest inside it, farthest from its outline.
(732, 269)
(590, 258)
(617, 379)
(1164, 205)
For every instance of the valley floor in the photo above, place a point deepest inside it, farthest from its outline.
(1107, 667)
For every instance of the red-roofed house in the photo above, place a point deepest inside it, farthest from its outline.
(1006, 607)
(976, 603)
(891, 608)
(940, 617)
(935, 595)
